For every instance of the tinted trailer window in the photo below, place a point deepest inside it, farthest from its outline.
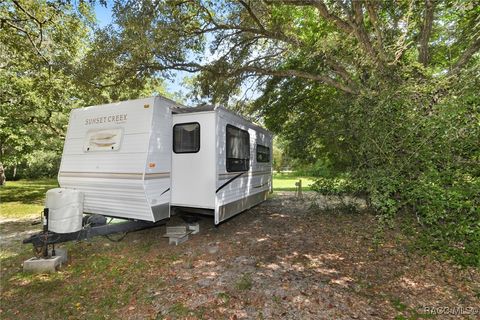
(238, 149)
(186, 137)
(263, 153)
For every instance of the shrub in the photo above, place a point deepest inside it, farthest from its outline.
(41, 164)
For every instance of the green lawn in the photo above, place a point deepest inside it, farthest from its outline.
(24, 198)
(285, 181)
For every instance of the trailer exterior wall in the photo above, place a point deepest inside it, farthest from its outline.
(201, 180)
(128, 181)
(248, 188)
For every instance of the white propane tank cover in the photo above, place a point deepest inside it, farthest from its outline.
(65, 210)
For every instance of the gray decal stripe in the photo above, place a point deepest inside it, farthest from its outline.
(252, 172)
(115, 175)
(222, 177)
(226, 183)
(262, 185)
(160, 175)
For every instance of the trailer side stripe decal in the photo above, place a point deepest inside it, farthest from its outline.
(226, 183)
(115, 175)
(159, 175)
(165, 191)
(249, 172)
(262, 185)
(223, 176)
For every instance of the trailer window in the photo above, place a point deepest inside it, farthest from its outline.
(263, 153)
(186, 137)
(238, 149)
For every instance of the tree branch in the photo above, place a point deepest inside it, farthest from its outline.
(193, 67)
(341, 71)
(31, 16)
(401, 47)
(373, 15)
(322, 9)
(252, 14)
(337, 21)
(298, 74)
(355, 27)
(29, 39)
(426, 31)
(218, 26)
(466, 56)
(361, 33)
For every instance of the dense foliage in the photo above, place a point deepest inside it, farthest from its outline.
(384, 92)
(43, 75)
(39, 43)
(410, 141)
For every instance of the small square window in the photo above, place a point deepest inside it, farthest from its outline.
(186, 137)
(263, 153)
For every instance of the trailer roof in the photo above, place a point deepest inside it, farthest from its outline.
(200, 108)
(206, 108)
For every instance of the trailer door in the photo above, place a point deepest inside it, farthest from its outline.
(193, 160)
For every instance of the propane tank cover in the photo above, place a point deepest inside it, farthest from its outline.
(65, 210)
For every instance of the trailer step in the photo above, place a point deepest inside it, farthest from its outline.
(179, 234)
(176, 240)
(193, 227)
(176, 230)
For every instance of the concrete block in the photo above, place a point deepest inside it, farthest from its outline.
(61, 253)
(41, 265)
(177, 230)
(194, 228)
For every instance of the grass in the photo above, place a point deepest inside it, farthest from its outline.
(244, 282)
(224, 297)
(24, 199)
(285, 181)
(111, 275)
(179, 310)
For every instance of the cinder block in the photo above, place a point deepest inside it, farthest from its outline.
(41, 265)
(176, 230)
(194, 227)
(60, 252)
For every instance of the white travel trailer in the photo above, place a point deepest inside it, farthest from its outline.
(135, 159)
(119, 156)
(221, 163)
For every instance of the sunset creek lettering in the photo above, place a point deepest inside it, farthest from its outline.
(113, 118)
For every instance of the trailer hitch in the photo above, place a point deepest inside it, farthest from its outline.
(45, 238)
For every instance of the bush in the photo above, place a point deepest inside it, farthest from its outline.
(321, 168)
(410, 146)
(41, 164)
(339, 186)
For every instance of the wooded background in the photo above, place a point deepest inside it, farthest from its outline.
(375, 98)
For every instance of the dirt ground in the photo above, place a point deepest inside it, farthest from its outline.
(283, 259)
